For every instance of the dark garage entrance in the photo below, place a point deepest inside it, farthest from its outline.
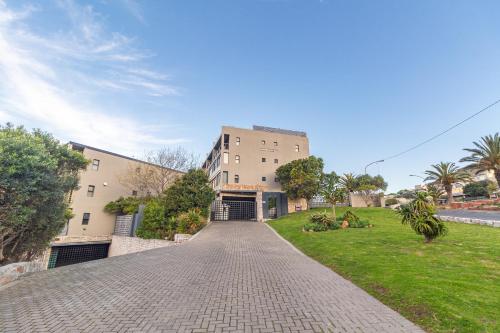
(233, 210)
(74, 254)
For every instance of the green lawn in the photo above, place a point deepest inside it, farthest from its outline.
(450, 285)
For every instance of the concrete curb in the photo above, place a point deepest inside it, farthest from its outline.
(468, 220)
(284, 240)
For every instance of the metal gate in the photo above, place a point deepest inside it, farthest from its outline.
(228, 210)
(74, 254)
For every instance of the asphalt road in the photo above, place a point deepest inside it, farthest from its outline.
(473, 214)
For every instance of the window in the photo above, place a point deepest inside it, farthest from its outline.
(90, 191)
(263, 160)
(264, 179)
(236, 179)
(225, 177)
(226, 157)
(237, 159)
(297, 148)
(134, 193)
(86, 218)
(275, 143)
(275, 161)
(263, 142)
(237, 140)
(95, 164)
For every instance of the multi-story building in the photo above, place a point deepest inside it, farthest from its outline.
(99, 184)
(242, 163)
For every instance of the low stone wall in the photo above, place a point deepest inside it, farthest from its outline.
(11, 272)
(123, 245)
(473, 204)
(466, 220)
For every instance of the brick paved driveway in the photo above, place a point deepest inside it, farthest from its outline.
(234, 276)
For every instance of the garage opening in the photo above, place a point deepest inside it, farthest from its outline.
(234, 210)
(74, 254)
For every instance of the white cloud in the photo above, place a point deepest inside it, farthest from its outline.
(44, 80)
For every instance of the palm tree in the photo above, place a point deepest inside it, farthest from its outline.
(349, 182)
(435, 192)
(446, 174)
(485, 156)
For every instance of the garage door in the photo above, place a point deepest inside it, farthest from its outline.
(229, 210)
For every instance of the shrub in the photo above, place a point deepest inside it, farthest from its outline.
(315, 227)
(322, 219)
(123, 205)
(190, 222)
(189, 191)
(391, 201)
(350, 217)
(359, 224)
(419, 214)
(154, 223)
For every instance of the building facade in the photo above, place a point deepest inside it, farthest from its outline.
(242, 163)
(99, 184)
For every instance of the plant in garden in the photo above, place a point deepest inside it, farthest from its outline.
(124, 206)
(485, 156)
(350, 217)
(435, 192)
(321, 222)
(300, 179)
(154, 223)
(446, 174)
(190, 222)
(420, 215)
(479, 189)
(332, 190)
(189, 191)
(36, 173)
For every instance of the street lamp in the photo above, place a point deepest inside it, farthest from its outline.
(379, 161)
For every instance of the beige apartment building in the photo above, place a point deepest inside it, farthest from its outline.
(241, 167)
(99, 184)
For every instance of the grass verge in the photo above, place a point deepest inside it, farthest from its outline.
(449, 285)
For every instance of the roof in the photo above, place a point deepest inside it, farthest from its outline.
(82, 146)
(278, 130)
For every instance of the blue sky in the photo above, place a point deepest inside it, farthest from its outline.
(364, 79)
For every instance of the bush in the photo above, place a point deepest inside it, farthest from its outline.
(391, 201)
(350, 217)
(419, 214)
(189, 191)
(126, 206)
(323, 219)
(190, 222)
(314, 227)
(478, 189)
(154, 224)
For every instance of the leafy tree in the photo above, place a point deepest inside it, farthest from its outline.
(367, 186)
(331, 189)
(407, 194)
(446, 174)
(187, 192)
(479, 189)
(435, 192)
(420, 215)
(485, 156)
(301, 179)
(36, 172)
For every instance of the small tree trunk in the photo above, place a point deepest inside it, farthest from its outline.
(333, 211)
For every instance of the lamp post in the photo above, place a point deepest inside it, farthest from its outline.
(379, 161)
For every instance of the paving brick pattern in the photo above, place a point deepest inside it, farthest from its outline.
(235, 276)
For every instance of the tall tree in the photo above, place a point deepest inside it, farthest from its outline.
(300, 179)
(163, 167)
(446, 174)
(485, 156)
(368, 186)
(332, 190)
(36, 173)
